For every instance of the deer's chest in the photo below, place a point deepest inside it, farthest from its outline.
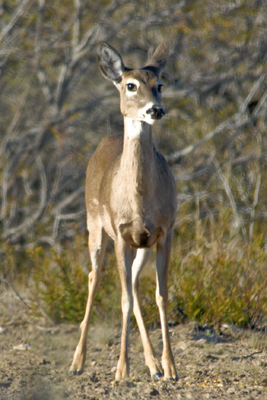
(139, 210)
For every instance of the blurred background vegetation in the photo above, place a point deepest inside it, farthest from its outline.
(55, 107)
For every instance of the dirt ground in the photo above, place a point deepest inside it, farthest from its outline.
(34, 363)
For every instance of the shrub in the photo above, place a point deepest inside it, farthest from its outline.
(59, 283)
(225, 283)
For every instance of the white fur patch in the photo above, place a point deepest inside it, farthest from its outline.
(142, 113)
(133, 127)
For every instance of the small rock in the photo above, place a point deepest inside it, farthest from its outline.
(5, 384)
(44, 362)
(230, 390)
(183, 345)
(23, 346)
(154, 392)
(93, 377)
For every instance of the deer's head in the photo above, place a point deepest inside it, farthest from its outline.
(140, 89)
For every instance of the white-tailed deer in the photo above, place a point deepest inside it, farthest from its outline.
(131, 197)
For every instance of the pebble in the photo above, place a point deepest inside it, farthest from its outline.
(154, 392)
(231, 390)
(23, 346)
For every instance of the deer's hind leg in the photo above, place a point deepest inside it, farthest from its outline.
(151, 361)
(98, 239)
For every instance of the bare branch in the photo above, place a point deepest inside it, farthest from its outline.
(260, 104)
(18, 230)
(4, 192)
(15, 291)
(91, 32)
(238, 219)
(65, 202)
(232, 123)
(17, 15)
(11, 131)
(256, 195)
(224, 125)
(251, 94)
(76, 25)
(62, 217)
(61, 82)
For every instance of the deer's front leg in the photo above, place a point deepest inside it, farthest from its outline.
(124, 258)
(97, 245)
(163, 259)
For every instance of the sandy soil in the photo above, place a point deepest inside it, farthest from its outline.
(34, 362)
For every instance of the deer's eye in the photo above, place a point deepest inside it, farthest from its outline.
(160, 87)
(131, 87)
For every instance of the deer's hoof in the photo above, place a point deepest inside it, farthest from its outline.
(172, 379)
(157, 376)
(72, 372)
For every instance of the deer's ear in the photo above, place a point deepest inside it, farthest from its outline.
(159, 59)
(110, 62)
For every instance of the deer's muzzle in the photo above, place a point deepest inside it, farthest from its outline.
(156, 112)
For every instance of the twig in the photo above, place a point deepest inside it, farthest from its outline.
(29, 221)
(252, 354)
(255, 202)
(61, 83)
(66, 201)
(12, 23)
(251, 94)
(76, 25)
(228, 191)
(259, 105)
(211, 135)
(248, 356)
(14, 290)
(64, 217)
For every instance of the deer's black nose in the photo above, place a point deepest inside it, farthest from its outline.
(156, 112)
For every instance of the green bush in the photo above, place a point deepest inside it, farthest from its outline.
(222, 283)
(219, 281)
(59, 284)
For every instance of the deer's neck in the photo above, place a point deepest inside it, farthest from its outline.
(138, 157)
(137, 164)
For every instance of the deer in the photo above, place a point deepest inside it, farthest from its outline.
(130, 196)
